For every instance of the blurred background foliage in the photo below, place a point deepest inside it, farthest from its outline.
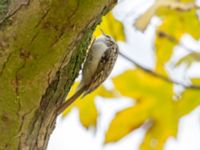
(157, 106)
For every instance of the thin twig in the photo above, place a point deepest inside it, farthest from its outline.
(164, 78)
(172, 39)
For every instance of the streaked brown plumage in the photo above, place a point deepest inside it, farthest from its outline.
(98, 65)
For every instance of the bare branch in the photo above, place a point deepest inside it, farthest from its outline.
(160, 76)
(172, 39)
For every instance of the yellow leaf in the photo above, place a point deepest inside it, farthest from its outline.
(137, 84)
(164, 48)
(112, 27)
(178, 23)
(155, 103)
(189, 59)
(126, 121)
(189, 100)
(103, 92)
(196, 81)
(157, 135)
(88, 112)
(87, 109)
(142, 21)
(175, 24)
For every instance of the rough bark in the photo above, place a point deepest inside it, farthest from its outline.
(42, 47)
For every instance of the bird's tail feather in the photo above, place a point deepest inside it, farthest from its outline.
(68, 102)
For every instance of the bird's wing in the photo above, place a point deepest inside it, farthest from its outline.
(103, 70)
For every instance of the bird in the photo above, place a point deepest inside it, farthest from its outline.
(99, 63)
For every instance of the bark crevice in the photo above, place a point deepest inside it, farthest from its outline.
(13, 10)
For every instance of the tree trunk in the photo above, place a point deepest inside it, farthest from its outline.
(42, 46)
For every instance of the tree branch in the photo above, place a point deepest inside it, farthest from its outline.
(163, 34)
(160, 76)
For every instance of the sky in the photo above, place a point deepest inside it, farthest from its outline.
(69, 133)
